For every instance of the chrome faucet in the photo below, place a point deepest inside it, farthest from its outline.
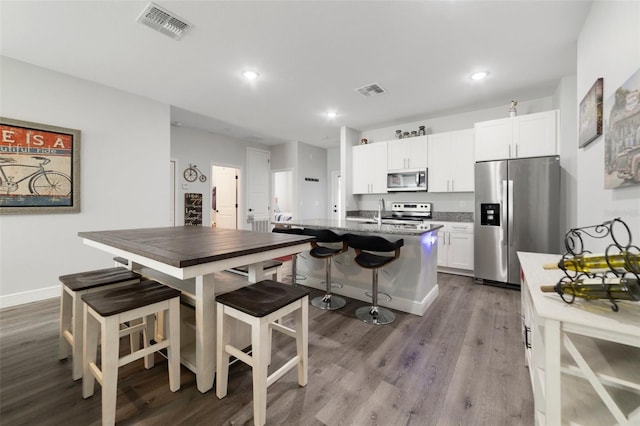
(380, 210)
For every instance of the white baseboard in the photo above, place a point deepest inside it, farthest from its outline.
(14, 299)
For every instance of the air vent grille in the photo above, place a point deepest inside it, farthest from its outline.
(372, 89)
(163, 21)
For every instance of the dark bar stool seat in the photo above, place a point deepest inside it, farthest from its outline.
(73, 287)
(328, 301)
(368, 255)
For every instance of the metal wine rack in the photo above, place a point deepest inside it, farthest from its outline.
(620, 235)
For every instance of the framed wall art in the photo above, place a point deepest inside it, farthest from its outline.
(622, 135)
(39, 168)
(591, 115)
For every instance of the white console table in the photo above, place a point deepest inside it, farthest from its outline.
(583, 358)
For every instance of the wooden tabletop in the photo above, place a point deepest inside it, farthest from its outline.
(184, 246)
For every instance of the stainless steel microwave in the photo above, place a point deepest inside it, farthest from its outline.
(407, 180)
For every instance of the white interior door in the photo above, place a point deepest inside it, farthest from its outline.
(257, 185)
(172, 203)
(224, 197)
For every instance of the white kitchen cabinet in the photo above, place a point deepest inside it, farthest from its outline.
(530, 135)
(451, 162)
(455, 247)
(409, 153)
(369, 168)
(582, 358)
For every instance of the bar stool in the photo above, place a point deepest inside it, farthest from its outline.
(260, 305)
(104, 312)
(363, 244)
(328, 301)
(74, 286)
(294, 257)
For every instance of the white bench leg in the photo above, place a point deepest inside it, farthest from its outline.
(90, 350)
(259, 345)
(222, 357)
(302, 340)
(78, 314)
(173, 351)
(110, 356)
(65, 323)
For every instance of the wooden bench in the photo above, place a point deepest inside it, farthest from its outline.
(260, 305)
(74, 286)
(270, 266)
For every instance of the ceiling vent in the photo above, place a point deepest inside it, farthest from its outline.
(372, 89)
(162, 20)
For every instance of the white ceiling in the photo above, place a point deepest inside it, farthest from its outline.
(311, 56)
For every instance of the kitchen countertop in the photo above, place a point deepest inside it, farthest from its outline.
(358, 226)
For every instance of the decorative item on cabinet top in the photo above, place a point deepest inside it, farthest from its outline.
(422, 131)
(612, 276)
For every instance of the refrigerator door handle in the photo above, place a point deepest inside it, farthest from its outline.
(503, 213)
(510, 213)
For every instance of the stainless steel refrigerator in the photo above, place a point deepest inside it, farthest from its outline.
(517, 208)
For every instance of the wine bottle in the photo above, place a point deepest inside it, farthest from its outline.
(580, 263)
(594, 288)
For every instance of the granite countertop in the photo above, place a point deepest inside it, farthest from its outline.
(466, 217)
(358, 226)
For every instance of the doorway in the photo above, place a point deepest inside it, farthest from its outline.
(282, 195)
(224, 197)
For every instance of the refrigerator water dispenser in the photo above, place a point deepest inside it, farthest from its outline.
(490, 214)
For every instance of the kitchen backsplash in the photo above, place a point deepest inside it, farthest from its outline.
(437, 216)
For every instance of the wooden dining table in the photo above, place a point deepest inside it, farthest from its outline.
(187, 257)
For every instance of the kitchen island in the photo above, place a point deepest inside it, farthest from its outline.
(410, 281)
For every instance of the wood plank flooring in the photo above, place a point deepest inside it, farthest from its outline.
(460, 364)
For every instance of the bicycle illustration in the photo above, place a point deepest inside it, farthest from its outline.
(192, 173)
(41, 181)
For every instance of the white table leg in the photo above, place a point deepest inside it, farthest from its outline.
(205, 337)
(256, 272)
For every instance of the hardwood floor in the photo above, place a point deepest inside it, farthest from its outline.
(460, 364)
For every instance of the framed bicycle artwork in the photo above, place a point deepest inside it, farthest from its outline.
(39, 168)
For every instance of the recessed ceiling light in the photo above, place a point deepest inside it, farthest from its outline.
(479, 75)
(332, 114)
(250, 75)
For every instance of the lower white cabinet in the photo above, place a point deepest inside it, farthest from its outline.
(455, 247)
(583, 358)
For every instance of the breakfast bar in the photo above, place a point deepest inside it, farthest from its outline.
(186, 258)
(410, 281)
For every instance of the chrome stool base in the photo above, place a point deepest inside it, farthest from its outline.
(328, 302)
(375, 315)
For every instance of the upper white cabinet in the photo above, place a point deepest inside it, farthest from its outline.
(409, 153)
(451, 161)
(531, 135)
(369, 165)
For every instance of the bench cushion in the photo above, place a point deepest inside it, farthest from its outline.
(262, 298)
(123, 299)
(97, 278)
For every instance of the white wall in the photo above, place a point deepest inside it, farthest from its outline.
(124, 176)
(608, 47)
(204, 149)
(311, 195)
(564, 99)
